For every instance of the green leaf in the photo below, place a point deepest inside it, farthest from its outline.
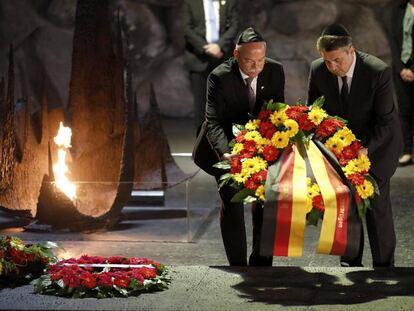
(312, 218)
(239, 196)
(237, 128)
(318, 103)
(340, 119)
(280, 106)
(271, 105)
(225, 179)
(224, 165)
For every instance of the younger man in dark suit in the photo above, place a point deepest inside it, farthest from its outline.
(235, 89)
(210, 28)
(358, 87)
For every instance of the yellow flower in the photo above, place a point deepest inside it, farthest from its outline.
(308, 181)
(240, 177)
(253, 135)
(308, 204)
(253, 125)
(366, 190)
(292, 127)
(335, 144)
(346, 136)
(278, 117)
(280, 139)
(253, 165)
(237, 148)
(350, 168)
(316, 115)
(363, 163)
(261, 143)
(358, 165)
(260, 192)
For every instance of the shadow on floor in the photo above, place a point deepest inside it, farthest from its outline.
(293, 286)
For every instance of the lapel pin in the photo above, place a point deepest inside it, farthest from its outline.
(262, 87)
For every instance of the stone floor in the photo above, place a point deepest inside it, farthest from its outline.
(192, 247)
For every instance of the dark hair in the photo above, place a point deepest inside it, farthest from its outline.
(334, 37)
(331, 43)
(249, 35)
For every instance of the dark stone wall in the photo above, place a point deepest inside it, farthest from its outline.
(42, 30)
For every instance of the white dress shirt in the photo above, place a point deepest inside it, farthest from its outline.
(349, 75)
(212, 37)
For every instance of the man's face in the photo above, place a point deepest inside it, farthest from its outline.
(251, 58)
(339, 61)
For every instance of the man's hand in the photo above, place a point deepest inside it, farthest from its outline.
(363, 151)
(213, 49)
(227, 156)
(407, 75)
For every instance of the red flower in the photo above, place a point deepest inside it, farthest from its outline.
(134, 273)
(295, 112)
(249, 146)
(246, 154)
(105, 279)
(351, 151)
(305, 124)
(264, 114)
(251, 184)
(259, 177)
(148, 273)
(235, 165)
(116, 259)
(240, 137)
(317, 202)
(328, 127)
(270, 153)
(122, 280)
(87, 279)
(356, 179)
(266, 129)
(71, 279)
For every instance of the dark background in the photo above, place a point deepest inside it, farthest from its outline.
(41, 32)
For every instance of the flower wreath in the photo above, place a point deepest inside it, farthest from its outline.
(259, 143)
(101, 277)
(20, 262)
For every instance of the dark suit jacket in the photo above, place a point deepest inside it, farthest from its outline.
(195, 32)
(227, 100)
(371, 112)
(396, 35)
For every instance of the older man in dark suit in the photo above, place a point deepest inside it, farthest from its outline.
(236, 90)
(358, 87)
(210, 29)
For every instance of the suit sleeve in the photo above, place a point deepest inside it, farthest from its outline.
(215, 115)
(190, 36)
(226, 41)
(313, 92)
(393, 33)
(386, 123)
(280, 96)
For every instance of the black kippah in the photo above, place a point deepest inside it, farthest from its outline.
(338, 30)
(249, 35)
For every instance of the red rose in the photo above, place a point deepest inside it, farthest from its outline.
(87, 280)
(295, 112)
(270, 153)
(356, 179)
(305, 124)
(317, 202)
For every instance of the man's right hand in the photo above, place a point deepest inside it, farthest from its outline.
(407, 75)
(227, 156)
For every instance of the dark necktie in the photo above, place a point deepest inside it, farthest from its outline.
(344, 94)
(250, 93)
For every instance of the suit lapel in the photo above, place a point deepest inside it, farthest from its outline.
(199, 5)
(239, 86)
(260, 88)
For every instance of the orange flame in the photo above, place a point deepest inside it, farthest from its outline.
(60, 169)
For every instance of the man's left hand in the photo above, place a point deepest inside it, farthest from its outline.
(213, 49)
